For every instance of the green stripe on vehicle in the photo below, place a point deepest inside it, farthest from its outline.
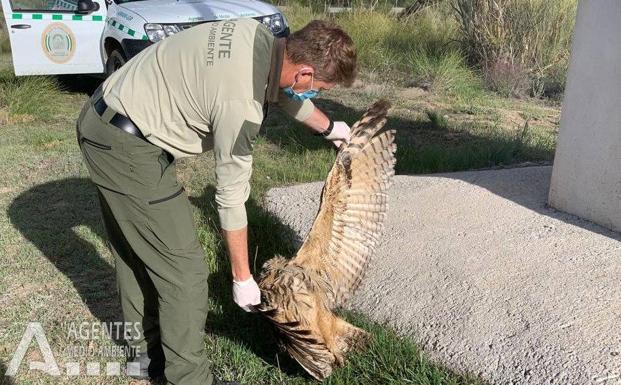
(54, 16)
(125, 29)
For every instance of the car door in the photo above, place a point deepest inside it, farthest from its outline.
(52, 37)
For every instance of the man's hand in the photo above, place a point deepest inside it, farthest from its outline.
(246, 293)
(245, 290)
(340, 134)
(318, 121)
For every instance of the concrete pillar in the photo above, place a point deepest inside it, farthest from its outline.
(586, 178)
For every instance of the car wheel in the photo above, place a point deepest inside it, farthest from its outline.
(116, 60)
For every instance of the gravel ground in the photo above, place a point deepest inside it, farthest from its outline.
(476, 268)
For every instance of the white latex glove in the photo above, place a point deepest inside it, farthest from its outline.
(340, 134)
(246, 293)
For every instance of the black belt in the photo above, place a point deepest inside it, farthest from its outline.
(118, 120)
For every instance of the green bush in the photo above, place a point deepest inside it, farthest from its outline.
(437, 120)
(386, 42)
(520, 45)
(445, 73)
(29, 96)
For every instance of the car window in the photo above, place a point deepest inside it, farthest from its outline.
(45, 5)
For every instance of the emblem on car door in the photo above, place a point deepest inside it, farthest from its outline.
(58, 43)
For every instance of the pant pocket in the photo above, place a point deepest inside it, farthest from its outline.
(171, 220)
(164, 199)
(95, 144)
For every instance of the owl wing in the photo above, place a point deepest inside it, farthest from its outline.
(353, 206)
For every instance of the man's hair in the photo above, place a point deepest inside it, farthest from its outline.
(327, 48)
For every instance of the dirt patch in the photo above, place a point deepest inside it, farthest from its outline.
(6, 118)
(411, 93)
(18, 291)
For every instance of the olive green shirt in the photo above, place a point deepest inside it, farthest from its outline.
(205, 88)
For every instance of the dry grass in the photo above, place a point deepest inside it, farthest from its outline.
(521, 45)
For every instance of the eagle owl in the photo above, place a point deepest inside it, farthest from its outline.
(299, 294)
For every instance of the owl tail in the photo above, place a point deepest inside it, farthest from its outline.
(319, 359)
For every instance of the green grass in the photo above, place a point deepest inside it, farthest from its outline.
(29, 97)
(444, 73)
(437, 121)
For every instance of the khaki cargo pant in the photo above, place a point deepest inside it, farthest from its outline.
(160, 269)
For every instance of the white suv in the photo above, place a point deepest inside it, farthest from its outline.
(99, 36)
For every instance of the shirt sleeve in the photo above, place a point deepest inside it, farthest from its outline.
(235, 127)
(299, 110)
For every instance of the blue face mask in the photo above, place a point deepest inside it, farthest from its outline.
(301, 96)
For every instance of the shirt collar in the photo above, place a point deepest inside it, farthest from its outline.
(273, 83)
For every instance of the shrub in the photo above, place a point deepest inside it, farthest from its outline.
(520, 45)
(28, 97)
(445, 73)
(387, 43)
(438, 121)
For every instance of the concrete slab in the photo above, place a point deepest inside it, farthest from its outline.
(487, 278)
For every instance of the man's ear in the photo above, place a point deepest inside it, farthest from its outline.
(307, 70)
(305, 73)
